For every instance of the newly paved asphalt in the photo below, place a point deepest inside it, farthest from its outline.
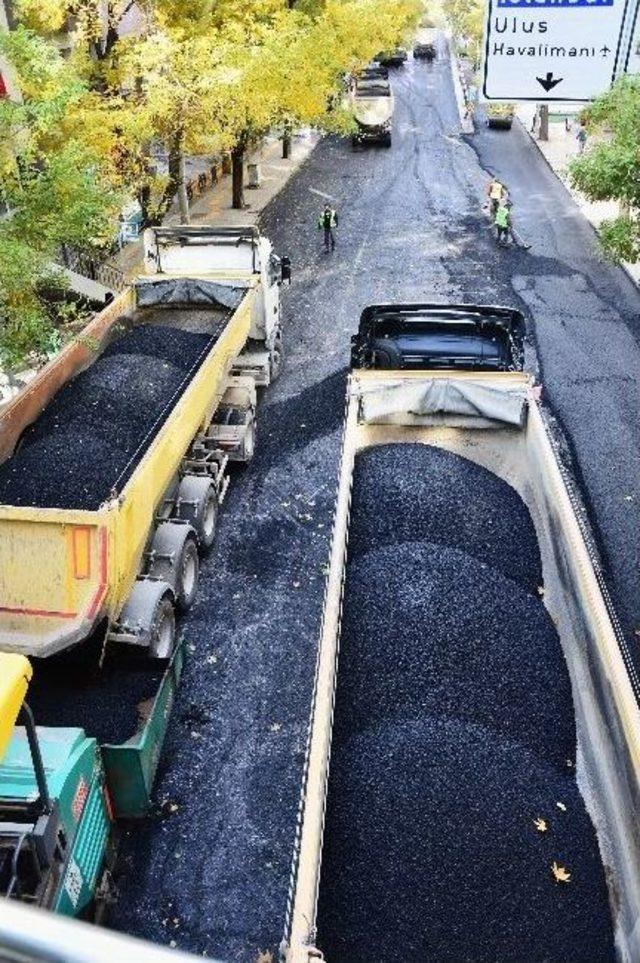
(210, 872)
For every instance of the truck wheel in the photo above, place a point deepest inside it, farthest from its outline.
(162, 636)
(276, 357)
(248, 444)
(189, 572)
(387, 140)
(148, 619)
(197, 503)
(173, 557)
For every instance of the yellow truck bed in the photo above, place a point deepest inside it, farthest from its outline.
(61, 571)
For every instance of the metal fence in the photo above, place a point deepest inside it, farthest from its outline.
(94, 269)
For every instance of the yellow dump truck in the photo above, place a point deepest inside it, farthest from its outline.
(117, 568)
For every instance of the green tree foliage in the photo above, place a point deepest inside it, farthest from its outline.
(610, 171)
(50, 187)
(467, 22)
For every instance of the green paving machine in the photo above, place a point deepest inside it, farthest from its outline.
(61, 794)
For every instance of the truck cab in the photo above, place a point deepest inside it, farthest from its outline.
(214, 258)
(55, 818)
(415, 336)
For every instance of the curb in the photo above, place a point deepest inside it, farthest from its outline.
(466, 122)
(621, 264)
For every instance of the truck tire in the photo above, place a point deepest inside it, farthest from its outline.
(173, 557)
(149, 616)
(162, 634)
(386, 142)
(197, 503)
(276, 357)
(245, 450)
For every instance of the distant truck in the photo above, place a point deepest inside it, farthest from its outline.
(118, 573)
(392, 58)
(449, 376)
(61, 793)
(500, 115)
(372, 102)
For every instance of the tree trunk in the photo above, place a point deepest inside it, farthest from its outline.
(237, 175)
(144, 197)
(543, 133)
(176, 184)
(286, 142)
(183, 200)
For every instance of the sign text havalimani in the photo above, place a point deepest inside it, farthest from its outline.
(546, 50)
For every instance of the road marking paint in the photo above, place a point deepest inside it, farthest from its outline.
(329, 197)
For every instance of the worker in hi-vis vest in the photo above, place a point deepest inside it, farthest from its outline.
(497, 192)
(328, 221)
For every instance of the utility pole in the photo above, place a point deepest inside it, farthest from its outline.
(543, 132)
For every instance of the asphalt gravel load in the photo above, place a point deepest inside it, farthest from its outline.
(108, 704)
(433, 494)
(465, 641)
(453, 733)
(431, 853)
(95, 431)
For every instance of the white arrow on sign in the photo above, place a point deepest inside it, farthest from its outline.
(550, 50)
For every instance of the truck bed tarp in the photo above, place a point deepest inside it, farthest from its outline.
(191, 291)
(372, 111)
(444, 400)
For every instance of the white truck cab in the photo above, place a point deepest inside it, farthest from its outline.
(210, 258)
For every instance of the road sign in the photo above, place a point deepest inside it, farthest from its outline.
(552, 50)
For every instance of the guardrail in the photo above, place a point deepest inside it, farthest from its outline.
(38, 936)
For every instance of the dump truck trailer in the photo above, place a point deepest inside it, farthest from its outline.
(81, 562)
(372, 103)
(61, 793)
(444, 385)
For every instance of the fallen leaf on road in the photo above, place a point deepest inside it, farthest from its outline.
(561, 806)
(560, 873)
(540, 824)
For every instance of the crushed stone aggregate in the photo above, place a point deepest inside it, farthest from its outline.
(452, 730)
(431, 854)
(95, 431)
(407, 492)
(105, 703)
(429, 630)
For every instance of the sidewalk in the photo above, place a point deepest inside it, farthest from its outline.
(214, 206)
(559, 151)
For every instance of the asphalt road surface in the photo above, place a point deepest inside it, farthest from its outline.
(210, 871)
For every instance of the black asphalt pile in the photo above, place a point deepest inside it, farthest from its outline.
(431, 853)
(106, 704)
(95, 431)
(412, 492)
(429, 630)
(452, 791)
